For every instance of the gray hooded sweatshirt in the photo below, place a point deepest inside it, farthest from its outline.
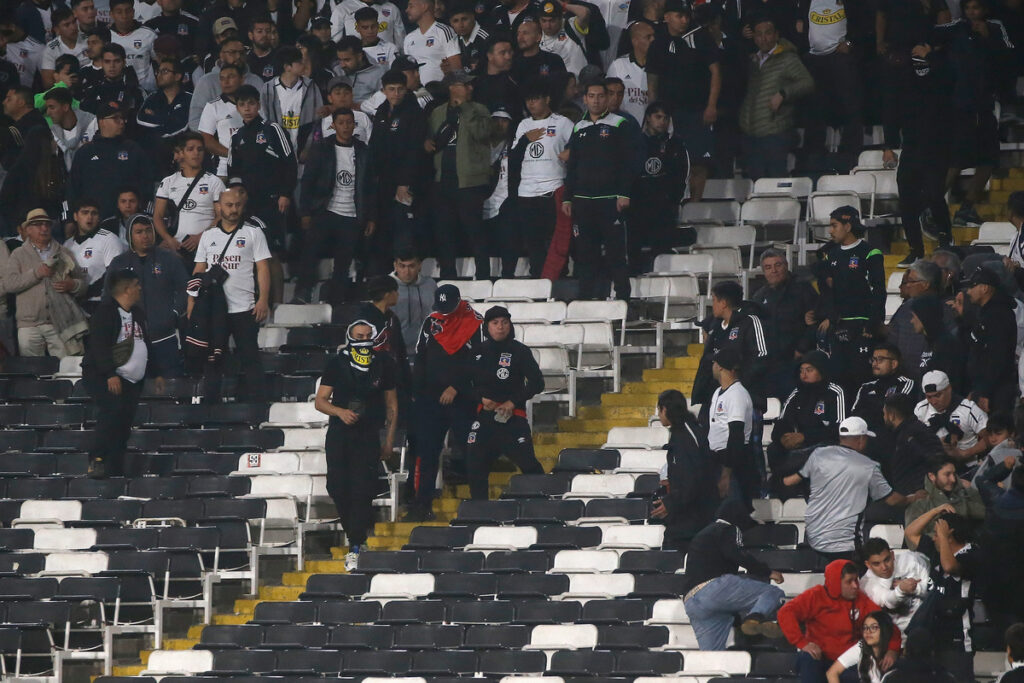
(415, 302)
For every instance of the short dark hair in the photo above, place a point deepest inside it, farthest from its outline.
(873, 546)
(595, 84)
(247, 93)
(60, 95)
(656, 107)
(185, 137)
(1000, 422)
(498, 37)
(114, 49)
(339, 84)
(1015, 641)
(761, 19)
(128, 188)
(891, 349)
(100, 31)
(676, 410)
(961, 528)
(936, 464)
(848, 569)
(76, 3)
(66, 60)
(84, 202)
(342, 111)
(349, 44)
(730, 292)
(25, 93)
(613, 80)
(262, 18)
(366, 14)
(60, 14)
(288, 54)
(393, 77)
(379, 287)
(175, 64)
(122, 278)
(115, 3)
(406, 254)
(901, 404)
(237, 68)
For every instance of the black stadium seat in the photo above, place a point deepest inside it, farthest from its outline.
(19, 440)
(286, 636)
(481, 612)
(615, 637)
(118, 538)
(486, 512)
(413, 612)
(440, 538)
(17, 564)
(581, 663)
(532, 585)
(517, 561)
(770, 536)
(540, 511)
(284, 613)
(464, 585)
(631, 510)
(49, 488)
(377, 662)
(616, 611)
(241, 662)
(651, 561)
(509, 662)
(587, 460)
(231, 637)
(537, 485)
(429, 637)
(376, 637)
(311, 662)
(85, 489)
(442, 561)
(158, 487)
(567, 537)
(16, 539)
(534, 612)
(774, 664)
(446, 662)
(388, 562)
(497, 637)
(335, 586)
(647, 663)
(354, 612)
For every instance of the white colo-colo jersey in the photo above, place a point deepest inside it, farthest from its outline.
(247, 246)
(616, 19)
(221, 119)
(732, 404)
(57, 48)
(429, 47)
(382, 53)
(634, 77)
(968, 416)
(543, 171)
(94, 253)
(566, 48)
(199, 210)
(138, 46)
(364, 126)
(390, 25)
(25, 55)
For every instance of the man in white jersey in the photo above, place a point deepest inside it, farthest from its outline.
(537, 145)
(731, 422)
(433, 44)
(21, 50)
(68, 41)
(240, 248)
(339, 96)
(220, 119)
(136, 39)
(389, 20)
(191, 195)
(376, 49)
(616, 19)
(93, 249)
(560, 37)
(631, 69)
(957, 421)
(71, 128)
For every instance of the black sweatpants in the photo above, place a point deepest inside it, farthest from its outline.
(600, 234)
(851, 342)
(838, 100)
(489, 439)
(341, 234)
(652, 231)
(459, 213)
(432, 422)
(114, 417)
(245, 331)
(533, 228)
(921, 181)
(353, 461)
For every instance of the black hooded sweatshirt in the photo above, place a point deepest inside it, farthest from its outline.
(746, 332)
(506, 370)
(717, 550)
(815, 410)
(992, 348)
(943, 351)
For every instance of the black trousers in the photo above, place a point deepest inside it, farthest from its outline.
(839, 99)
(600, 234)
(851, 342)
(398, 229)
(245, 331)
(353, 461)
(460, 213)
(652, 231)
(114, 417)
(489, 439)
(432, 422)
(921, 181)
(533, 228)
(339, 234)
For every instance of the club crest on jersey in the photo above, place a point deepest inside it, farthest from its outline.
(87, 253)
(890, 391)
(137, 44)
(157, 269)
(386, 12)
(471, 438)
(268, 71)
(505, 360)
(204, 189)
(551, 131)
(854, 262)
(604, 132)
(734, 334)
(261, 139)
(122, 155)
(430, 42)
(240, 242)
(182, 29)
(544, 69)
(394, 125)
(819, 408)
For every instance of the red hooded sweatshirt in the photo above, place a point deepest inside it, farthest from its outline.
(820, 615)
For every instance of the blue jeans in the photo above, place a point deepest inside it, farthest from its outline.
(713, 609)
(813, 670)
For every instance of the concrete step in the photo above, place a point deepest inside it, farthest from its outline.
(286, 593)
(195, 632)
(462, 491)
(129, 670)
(614, 413)
(300, 578)
(325, 567)
(247, 605)
(403, 528)
(656, 388)
(681, 362)
(645, 401)
(445, 505)
(695, 350)
(599, 425)
(380, 543)
(683, 375)
(231, 619)
(179, 643)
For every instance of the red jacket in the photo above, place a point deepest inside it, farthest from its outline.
(820, 615)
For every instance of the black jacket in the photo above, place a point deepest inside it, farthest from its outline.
(435, 370)
(782, 314)
(852, 284)
(163, 278)
(318, 180)
(396, 145)
(814, 410)
(596, 167)
(207, 338)
(872, 394)
(692, 498)
(913, 670)
(262, 156)
(107, 163)
(715, 552)
(104, 327)
(506, 371)
(916, 447)
(665, 169)
(125, 91)
(991, 349)
(745, 331)
(943, 350)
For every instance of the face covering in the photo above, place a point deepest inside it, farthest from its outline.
(360, 351)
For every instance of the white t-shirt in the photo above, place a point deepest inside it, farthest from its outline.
(138, 46)
(56, 48)
(247, 246)
(390, 25)
(732, 404)
(364, 126)
(144, 11)
(616, 18)
(566, 48)
(94, 254)
(343, 199)
(852, 658)
(968, 416)
(907, 564)
(221, 119)
(492, 205)
(291, 106)
(543, 171)
(134, 368)
(634, 77)
(198, 212)
(25, 55)
(826, 26)
(430, 47)
(69, 141)
(383, 53)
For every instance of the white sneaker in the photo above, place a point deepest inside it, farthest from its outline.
(351, 562)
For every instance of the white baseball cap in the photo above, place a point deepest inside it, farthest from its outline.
(854, 426)
(934, 380)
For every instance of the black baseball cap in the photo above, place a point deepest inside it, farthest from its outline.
(728, 358)
(447, 298)
(677, 6)
(405, 63)
(983, 276)
(108, 109)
